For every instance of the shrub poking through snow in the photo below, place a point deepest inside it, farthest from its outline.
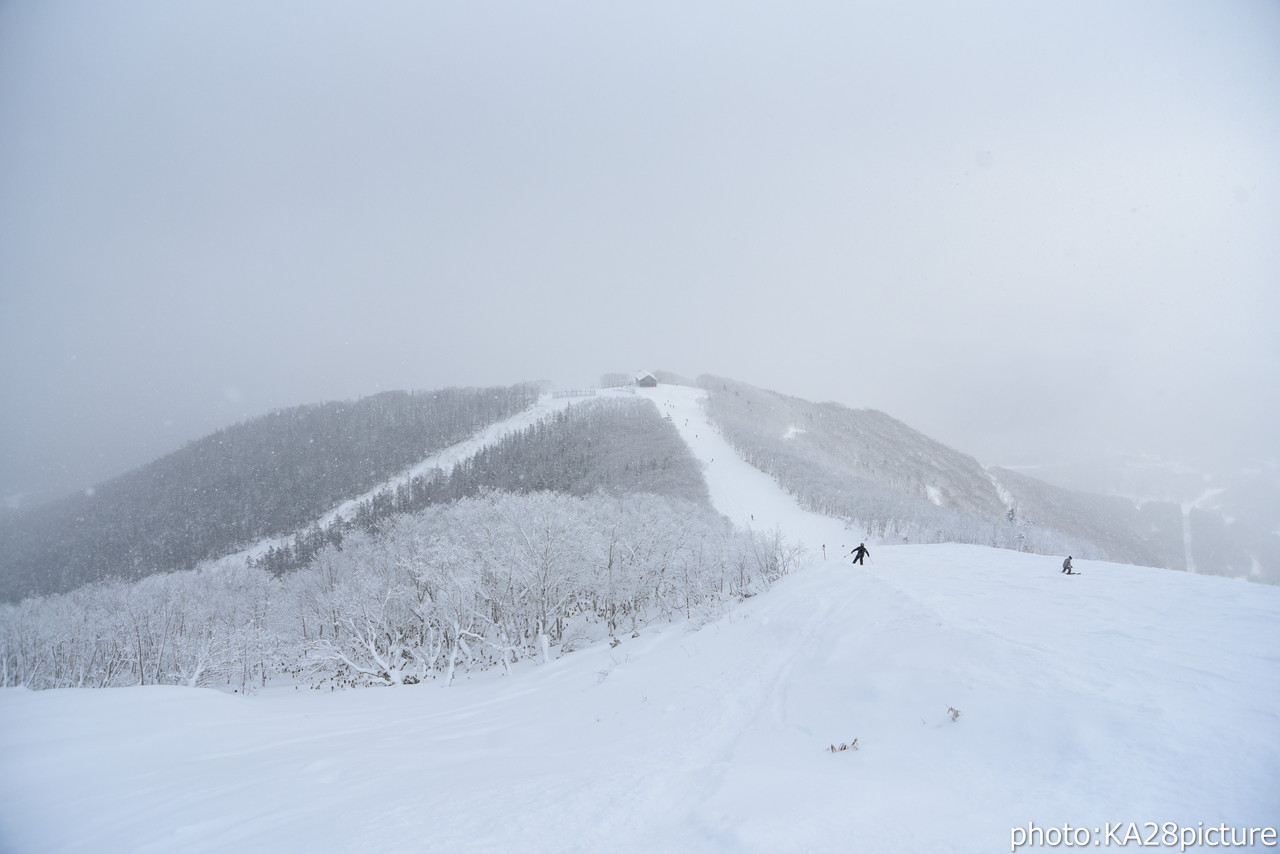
(837, 748)
(954, 712)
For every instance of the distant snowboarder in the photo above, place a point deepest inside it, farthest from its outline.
(1066, 566)
(859, 553)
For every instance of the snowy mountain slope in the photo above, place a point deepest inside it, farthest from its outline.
(747, 496)
(842, 449)
(443, 461)
(739, 490)
(262, 477)
(1171, 515)
(1148, 535)
(1124, 695)
(949, 490)
(860, 465)
(896, 484)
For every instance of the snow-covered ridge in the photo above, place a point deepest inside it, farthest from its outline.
(984, 689)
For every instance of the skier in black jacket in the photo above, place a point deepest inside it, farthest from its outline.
(859, 553)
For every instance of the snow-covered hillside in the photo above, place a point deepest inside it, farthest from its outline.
(1124, 695)
(442, 461)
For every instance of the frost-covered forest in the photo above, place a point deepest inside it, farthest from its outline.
(267, 476)
(592, 522)
(478, 583)
(614, 446)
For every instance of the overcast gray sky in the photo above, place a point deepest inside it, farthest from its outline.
(1030, 230)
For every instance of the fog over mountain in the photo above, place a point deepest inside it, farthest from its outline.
(1034, 232)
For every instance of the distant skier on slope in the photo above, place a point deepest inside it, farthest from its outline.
(1066, 566)
(859, 553)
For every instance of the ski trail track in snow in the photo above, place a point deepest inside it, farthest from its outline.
(748, 496)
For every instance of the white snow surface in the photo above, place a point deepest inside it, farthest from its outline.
(1127, 694)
